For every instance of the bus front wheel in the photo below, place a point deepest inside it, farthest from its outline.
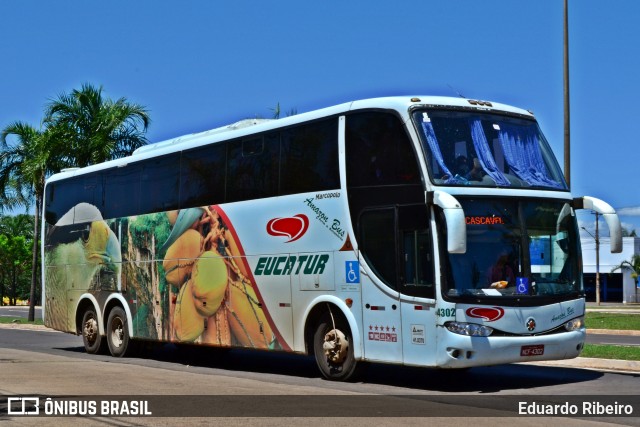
(333, 348)
(117, 332)
(94, 343)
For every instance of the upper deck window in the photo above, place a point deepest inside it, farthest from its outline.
(487, 150)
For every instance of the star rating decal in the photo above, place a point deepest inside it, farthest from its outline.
(383, 333)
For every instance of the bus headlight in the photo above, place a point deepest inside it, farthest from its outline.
(468, 329)
(574, 324)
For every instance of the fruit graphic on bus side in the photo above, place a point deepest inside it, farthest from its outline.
(234, 251)
(214, 299)
(172, 216)
(247, 319)
(187, 323)
(209, 280)
(180, 257)
(217, 331)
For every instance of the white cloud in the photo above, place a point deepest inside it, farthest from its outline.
(632, 211)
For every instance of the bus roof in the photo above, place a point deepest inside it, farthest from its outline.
(250, 126)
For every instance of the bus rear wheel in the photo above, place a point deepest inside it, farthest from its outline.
(118, 332)
(333, 348)
(94, 343)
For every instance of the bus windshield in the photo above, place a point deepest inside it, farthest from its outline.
(516, 249)
(486, 150)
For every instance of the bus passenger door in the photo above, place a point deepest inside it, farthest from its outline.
(382, 333)
(416, 285)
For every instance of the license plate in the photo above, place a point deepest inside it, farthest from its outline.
(532, 350)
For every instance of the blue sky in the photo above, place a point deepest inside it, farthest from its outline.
(201, 64)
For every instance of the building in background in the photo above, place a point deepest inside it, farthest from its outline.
(614, 287)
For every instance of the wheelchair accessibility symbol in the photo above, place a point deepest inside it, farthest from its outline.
(522, 285)
(352, 271)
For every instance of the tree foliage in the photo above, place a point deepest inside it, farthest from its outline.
(633, 265)
(277, 111)
(629, 233)
(95, 129)
(15, 257)
(24, 166)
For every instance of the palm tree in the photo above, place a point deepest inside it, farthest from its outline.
(24, 165)
(629, 233)
(277, 111)
(633, 265)
(94, 129)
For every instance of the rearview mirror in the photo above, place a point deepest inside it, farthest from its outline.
(455, 219)
(609, 215)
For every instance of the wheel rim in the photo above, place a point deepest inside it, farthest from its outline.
(117, 332)
(336, 347)
(333, 351)
(90, 330)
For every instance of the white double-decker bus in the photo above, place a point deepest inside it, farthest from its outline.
(423, 231)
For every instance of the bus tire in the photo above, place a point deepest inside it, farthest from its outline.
(118, 332)
(94, 343)
(334, 365)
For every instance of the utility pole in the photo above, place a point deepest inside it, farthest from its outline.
(597, 262)
(597, 240)
(567, 127)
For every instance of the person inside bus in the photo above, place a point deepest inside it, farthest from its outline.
(476, 173)
(462, 169)
(501, 274)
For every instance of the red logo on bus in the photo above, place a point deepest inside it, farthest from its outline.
(293, 227)
(488, 314)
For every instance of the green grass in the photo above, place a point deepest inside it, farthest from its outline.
(19, 320)
(619, 321)
(604, 351)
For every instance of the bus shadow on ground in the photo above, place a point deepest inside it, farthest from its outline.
(238, 360)
(489, 379)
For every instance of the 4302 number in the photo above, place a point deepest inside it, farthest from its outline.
(446, 312)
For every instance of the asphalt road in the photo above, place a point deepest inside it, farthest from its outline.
(627, 340)
(19, 311)
(271, 386)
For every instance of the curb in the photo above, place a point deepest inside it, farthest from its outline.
(593, 363)
(25, 327)
(613, 332)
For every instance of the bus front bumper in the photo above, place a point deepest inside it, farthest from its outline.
(458, 351)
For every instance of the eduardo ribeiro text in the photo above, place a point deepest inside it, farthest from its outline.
(587, 408)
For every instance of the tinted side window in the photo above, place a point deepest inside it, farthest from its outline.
(54, 204)
(62, 196)
(202, 180)
(416, 253)
(253, 167)
(122, 191)
(378, 242)
(159, 179)
(310, 158)
(379, 151)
